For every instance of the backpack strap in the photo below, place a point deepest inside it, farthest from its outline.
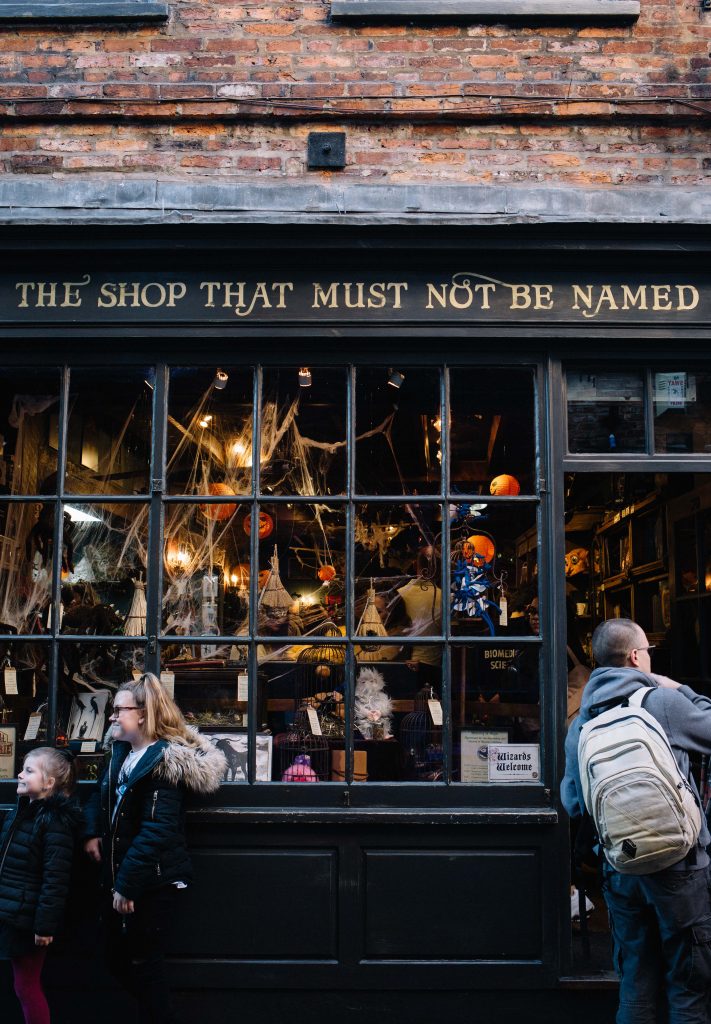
(636, 699)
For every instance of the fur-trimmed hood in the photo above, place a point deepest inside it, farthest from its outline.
(201, 768)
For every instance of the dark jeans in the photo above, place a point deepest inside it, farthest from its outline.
(661, 928)
(134, 946)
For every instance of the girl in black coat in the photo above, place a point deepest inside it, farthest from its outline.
(36, 850)
(136, 830)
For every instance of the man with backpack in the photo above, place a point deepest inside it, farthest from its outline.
(635, 779)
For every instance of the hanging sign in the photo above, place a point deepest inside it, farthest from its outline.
(470, 290)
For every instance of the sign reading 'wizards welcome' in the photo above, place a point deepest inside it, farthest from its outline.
(455, 296)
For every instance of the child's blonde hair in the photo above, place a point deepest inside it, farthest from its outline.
(58, 764)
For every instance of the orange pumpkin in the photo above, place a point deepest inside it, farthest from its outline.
(218, 512)
(266, 525)
(478, 549)
(505, 484)
(326, 573)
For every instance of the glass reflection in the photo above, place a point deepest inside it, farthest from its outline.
(29, 403)
(109, 432)
(605, 411)
(682, 412)
(26, 545)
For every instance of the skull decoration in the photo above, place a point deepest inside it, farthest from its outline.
(576, 561)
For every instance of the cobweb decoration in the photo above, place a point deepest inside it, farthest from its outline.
(135, 624)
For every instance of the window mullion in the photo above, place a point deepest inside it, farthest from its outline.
(155, 520)
(55, 655)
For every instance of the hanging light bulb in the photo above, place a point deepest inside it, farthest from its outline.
(220, 380)
(304, 377)
(395, 378)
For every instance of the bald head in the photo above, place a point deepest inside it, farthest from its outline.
(613, 641)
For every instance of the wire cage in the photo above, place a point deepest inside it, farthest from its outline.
(421, 740)
(319, 681)
(299, 756)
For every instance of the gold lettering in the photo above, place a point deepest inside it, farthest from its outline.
(233, 298)
(130, 292)
(46, 293)
(432, 293)
(543, 296)
(638, 298)
(693, 296)
(327, 298)
(210, 286)
(281, 287)
(580, 296)
(72, 296)
(24, 287)
(520, 296)
(376, 296)
(107, 295)
(176, 292)
(661, 296)
(160, 295)
(358, 303)
(485, 289)
(398, 287)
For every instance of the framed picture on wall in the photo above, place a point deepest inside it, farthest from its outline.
(87, 716)
(8, 749)
(233, 744)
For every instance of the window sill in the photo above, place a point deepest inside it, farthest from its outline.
(501, 10)
(90, 10)
(378, 816)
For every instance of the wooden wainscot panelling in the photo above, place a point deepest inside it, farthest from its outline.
(260, 903)
(417, 901)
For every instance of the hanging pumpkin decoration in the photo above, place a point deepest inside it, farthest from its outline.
(218, 513)
(326, 573)
(505, 484)
(479, 549)
(263, 577)
(266, 525)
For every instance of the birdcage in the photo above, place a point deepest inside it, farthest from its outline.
(421, 740)
(299, 756)
(319, 681)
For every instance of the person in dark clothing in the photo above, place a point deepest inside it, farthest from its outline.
(136, 830)
(36, 852)
(661, 922)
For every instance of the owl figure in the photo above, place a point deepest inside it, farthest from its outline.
(373, 708)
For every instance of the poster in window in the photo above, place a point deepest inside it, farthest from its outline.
(8, 746)
(234, 746)
(475, 752)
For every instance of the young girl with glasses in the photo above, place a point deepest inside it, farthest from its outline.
(136, 829)
(36, 851)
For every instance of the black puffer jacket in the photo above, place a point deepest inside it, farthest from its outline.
(36, 851)
(144, 834)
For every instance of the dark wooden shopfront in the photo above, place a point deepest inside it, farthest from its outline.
(405, 894)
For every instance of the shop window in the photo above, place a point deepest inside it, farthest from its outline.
(29, 400)
(605, 412)
(682, 412)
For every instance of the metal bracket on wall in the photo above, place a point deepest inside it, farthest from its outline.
(326, 150)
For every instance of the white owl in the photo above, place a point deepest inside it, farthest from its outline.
(373, 708)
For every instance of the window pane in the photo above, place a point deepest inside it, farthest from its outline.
(398, 572)
(605, 412)
(29, 406)
(109, 431)
(302, 570)
(493, 435)
(303, 439)
(104, 569)
(23, 702)
(210, 430)
(301, 692)
(26, 543)
(398, 425)
(398, 735)
(682, 412)
(489, 545)
(206, 569)
(495, 702)
(687, 569)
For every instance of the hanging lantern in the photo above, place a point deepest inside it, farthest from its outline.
(266, 525)
(479, 549)
(218, 512)
(326, 573)
(505, 484)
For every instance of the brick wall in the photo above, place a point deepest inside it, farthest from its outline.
(579, 106)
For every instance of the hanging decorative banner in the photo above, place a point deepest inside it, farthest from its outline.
(467, 292)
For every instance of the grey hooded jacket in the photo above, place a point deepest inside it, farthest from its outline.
(684, 715)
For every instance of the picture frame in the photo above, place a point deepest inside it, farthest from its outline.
(87, 716)
(474, 752)
(234, 744)
(8, 750)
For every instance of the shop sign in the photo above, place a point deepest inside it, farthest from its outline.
(515, 762)
(279, 295)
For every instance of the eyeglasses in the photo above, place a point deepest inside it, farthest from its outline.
(115, 712)
(649, 647)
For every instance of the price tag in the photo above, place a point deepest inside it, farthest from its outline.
(11, 682)
(243, 686)
(33, 724)
(314, 722)
(435, 711)
(504, 616)
(168, 681)
(88, 747)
